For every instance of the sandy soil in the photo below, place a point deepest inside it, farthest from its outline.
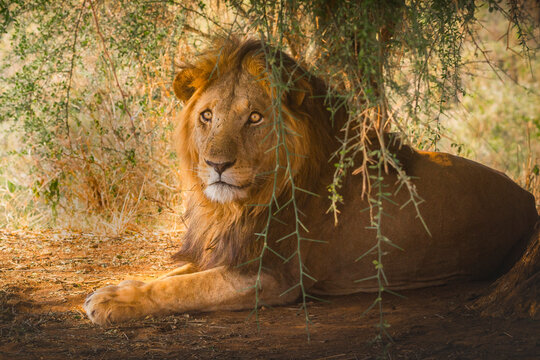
(45, 276)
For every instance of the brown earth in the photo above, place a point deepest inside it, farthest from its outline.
(45, 276)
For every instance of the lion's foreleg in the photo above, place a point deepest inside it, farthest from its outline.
(213, 289)
(188, 268)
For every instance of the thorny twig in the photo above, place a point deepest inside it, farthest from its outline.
(113, 70)
(72, 65)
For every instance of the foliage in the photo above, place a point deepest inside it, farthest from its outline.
(90, 100)
(86, 95)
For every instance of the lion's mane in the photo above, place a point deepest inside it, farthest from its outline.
(224, 234)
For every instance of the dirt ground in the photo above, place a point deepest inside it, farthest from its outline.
(45, 276)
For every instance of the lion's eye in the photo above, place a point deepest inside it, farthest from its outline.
(255, 118)
(206, 116)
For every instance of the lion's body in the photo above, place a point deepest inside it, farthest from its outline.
(472, 231)
(475, 215)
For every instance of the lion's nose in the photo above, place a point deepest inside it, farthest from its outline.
(220, 167)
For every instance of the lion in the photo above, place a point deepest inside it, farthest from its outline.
(475, 216)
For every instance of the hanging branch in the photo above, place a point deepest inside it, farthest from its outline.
(71, 67)
(113, 69)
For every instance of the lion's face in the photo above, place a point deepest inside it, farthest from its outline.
(230, 121)
(231, 146)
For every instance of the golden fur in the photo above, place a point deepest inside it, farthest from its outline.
(475, 215)
(223, 234)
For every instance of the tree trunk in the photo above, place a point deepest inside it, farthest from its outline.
(517, 293)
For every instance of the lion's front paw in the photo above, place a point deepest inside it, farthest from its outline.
(117, 303)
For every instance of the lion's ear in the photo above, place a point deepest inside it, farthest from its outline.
(183, 84)
(297, 95)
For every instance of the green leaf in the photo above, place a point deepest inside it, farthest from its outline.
(11, 187)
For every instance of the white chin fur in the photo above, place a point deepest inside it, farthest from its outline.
(222, 193)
